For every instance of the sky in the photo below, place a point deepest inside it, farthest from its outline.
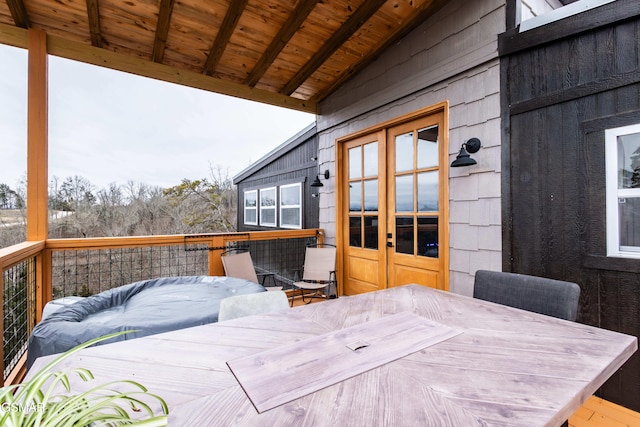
(113, 127)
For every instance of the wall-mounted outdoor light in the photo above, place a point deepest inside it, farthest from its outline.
(463, 158)
(316, 182)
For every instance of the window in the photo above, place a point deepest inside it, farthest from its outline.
(622, 147)
(268, 207)
(291, 206)
(251, 207)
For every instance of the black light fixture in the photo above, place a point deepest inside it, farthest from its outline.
(463, 158)
(316, 182)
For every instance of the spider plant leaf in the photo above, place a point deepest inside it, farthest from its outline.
(111, 404)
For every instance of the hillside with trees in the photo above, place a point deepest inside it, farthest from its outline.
(77, 209)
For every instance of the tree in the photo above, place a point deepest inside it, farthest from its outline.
(9, 199)
(204, 205)
(76, 192)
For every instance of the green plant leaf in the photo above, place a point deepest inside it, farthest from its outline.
(110, 404)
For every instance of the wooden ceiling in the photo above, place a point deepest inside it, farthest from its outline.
(291, 53)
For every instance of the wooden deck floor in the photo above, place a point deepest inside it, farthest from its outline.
(595, 412)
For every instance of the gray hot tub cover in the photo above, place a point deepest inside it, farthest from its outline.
(149, 306)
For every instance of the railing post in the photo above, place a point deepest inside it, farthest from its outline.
(43, 289)
(215, 259)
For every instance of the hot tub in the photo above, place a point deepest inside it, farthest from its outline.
(149, 307)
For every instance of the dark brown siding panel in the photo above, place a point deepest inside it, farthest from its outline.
(559, 98)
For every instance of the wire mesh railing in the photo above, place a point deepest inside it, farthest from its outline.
(281, 259)
(91, 271)
(18, 309)
(83, 267)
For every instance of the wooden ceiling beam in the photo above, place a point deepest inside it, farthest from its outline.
(286, 32)
(338, 38)
(224, 35)
(162, 30)
(105, 58)
(421, 14)
(93, 13)
(58, 46)
(13, 36)
(19, 13)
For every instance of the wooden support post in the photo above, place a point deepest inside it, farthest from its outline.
(37, 136)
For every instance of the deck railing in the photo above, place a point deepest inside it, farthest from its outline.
(34, 273)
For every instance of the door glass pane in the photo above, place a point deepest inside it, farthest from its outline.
(428, 147)
(355, 197)
(371, 232)
(371, 159)
(629, 161)
(404, 152)
(404, 235)
(428, 191)
(428, 237)
(355, 231)
(371, 195)
(355, 162)
(404, 193)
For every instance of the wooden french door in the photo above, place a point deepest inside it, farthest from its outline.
(394, 211)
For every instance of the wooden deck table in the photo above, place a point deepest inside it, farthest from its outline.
(493, 365)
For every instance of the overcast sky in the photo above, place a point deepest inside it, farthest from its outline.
(108, 126)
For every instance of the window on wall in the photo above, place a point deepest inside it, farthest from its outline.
(251, 207)
(623, 191)
(268, 207)
(291, 206)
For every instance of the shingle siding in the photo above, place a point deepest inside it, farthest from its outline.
(453, 57)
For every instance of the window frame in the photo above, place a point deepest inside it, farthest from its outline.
(298, 206)
(613, 194)
(264, 208)
(250, 208)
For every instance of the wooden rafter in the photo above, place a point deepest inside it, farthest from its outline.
(303, 9)
(421, 14)
(270, 51)
(224, 35)
(162, 30)
(19, 13)
(352, 25)
(93, 14)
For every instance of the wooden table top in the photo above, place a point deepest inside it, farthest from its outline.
(503, 366)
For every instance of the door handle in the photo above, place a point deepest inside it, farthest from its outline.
(389, 244)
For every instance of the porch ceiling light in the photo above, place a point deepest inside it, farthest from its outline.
(316, 182)
(463, 158)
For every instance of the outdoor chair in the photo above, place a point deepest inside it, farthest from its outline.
(250, 304)
(237, 262)
(537, 294)
(318, 274)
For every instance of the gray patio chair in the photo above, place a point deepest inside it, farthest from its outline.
(250, 304)
(318, 274)
(237, 262)
(537, 294)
